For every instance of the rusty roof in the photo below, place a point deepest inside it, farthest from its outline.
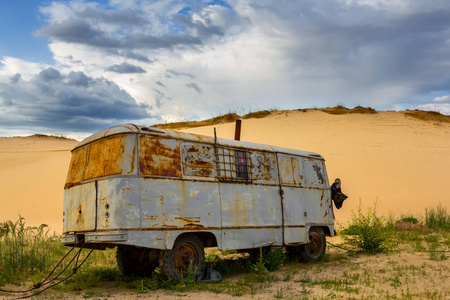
(139, 129)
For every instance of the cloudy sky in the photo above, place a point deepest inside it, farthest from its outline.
(74, 67)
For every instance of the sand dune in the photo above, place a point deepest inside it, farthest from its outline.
(32, 175)
(401, 161)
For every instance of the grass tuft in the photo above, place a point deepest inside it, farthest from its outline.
(366, 231)
(437, 218)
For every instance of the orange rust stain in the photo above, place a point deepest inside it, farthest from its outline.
(77, 165)
(189, 220)
(159, 156)
(106, 157)
(198, 160)
(194, 226)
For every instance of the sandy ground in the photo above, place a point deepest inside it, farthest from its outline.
(401, 162)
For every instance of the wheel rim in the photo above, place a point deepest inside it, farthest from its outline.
(183, 255)
(314, 247)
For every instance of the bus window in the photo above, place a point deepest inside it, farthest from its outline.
(234, 164)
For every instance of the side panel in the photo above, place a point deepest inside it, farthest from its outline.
(318, 197)
(294, 210)
(79, 208)
(251, 215)
(175, 204)
(159, 156)
(119, 203)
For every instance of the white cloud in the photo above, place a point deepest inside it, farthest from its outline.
(443, 108)
(442, 99)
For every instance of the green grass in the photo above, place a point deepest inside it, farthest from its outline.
(26, 251)
(28, 254)
(437, 218)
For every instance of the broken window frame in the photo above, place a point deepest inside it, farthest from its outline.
(233, 164)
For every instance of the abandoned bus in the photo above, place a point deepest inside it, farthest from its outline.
(161, 196)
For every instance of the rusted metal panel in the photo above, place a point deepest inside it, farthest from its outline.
(138, 129)
(77, 166)
(119, 129)
(159, 156)
(198, 160)
(111, 156)
(264, 167)
(79, 208)
(118, 203)
(315, 173)
(290, 169)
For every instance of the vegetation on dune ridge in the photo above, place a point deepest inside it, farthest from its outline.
(232, 116)
(27, 255)
(43, 136)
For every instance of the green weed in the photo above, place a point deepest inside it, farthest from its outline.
(437, 218)
(366, 231)
(24, 250)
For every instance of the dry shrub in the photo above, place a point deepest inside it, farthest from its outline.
(427, 115)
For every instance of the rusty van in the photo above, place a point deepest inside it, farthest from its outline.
(161, 196)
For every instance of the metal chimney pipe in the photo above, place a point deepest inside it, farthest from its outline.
(237, 130)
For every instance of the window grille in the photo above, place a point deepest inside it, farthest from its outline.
(234, 164)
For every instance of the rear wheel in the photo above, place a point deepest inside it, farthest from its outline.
(187, 253)
(316, 246)
(136, 261)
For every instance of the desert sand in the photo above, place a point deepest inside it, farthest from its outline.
(401, 162)
(32, 175)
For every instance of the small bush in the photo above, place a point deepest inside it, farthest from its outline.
(274, 258)
(411, 220)
(366, 231)
(437, 218)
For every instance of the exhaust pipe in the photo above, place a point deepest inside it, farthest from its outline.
(237, 130)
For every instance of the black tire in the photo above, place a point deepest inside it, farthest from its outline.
(175, 263)
(316, 246)
(137, 262)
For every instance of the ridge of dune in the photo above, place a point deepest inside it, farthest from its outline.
(389, 157)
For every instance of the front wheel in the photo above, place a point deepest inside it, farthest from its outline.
(187, 255)
(316, 246)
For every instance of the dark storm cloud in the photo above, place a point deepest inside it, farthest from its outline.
(128, 30)
(79, 31)
(126, 68)
(126, 17)
(73, 102)
(358, 51)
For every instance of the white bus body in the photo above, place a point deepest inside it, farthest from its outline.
(160, 196)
